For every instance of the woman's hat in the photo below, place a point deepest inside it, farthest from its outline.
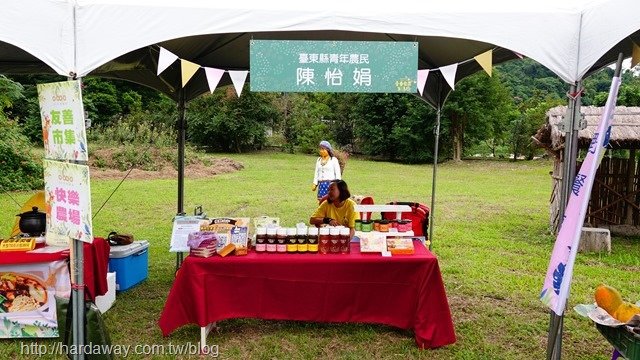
(325, 144)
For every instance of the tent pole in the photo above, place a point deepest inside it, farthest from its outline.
(566, 158)
(181, 145)
(554, 337)
(77, 279)
(435, 171)
(577, 103)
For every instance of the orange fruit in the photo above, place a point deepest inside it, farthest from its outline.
(626, 311)
(608, 298)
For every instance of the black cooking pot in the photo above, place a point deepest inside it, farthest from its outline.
(33, 222)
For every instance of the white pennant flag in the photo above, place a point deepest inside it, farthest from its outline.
(213, 77)
(165, 60)
(449, 73)
(238, 78)
(422, 80)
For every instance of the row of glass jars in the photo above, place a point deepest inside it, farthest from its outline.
(325, 240)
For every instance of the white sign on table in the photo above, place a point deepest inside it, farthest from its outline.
(68, 199)
(63, 126)
(182, 227)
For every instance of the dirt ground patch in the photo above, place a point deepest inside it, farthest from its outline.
(157, 164)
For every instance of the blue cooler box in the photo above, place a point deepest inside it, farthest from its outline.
(130, 262)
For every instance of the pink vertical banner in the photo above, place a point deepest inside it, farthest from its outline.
(558, 280)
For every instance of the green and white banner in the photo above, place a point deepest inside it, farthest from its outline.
(333, 66)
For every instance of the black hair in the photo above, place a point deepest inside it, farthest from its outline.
(343, 189)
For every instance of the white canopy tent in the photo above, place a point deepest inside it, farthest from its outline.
(120, 38)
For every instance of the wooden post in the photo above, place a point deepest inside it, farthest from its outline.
(631, 174)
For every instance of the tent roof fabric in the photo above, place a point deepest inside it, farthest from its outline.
(118, 38)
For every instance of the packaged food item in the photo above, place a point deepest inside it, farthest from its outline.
(400, 246)
(239, 238)
(261, 239)
(372, 242)
(334, 234)
(324, 240)
(226, 250)
(312, 239)
(383, 226)
(271, 240)
(345, 240)
(282, 239)
(301, 238)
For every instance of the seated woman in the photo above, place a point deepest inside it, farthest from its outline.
(338, 209)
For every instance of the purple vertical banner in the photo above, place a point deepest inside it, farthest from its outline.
(558, 280)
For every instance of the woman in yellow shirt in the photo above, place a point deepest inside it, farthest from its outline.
(338, 209)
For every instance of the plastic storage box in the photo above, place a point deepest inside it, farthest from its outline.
(105, 301)
(131, 264)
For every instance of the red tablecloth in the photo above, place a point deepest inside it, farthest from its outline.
(96, 262)
(402, 291)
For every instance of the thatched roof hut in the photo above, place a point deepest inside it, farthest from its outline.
(625, 132)
(616, 192)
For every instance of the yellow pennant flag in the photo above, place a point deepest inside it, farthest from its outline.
(635, 55)
(188, 70)
(486, 61)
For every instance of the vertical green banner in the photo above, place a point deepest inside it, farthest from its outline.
(333, 66)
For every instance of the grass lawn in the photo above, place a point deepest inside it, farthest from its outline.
(490, 237)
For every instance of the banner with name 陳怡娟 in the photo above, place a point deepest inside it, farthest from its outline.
(63, 125)
(27, 298)
(333, 66)
(68, 199)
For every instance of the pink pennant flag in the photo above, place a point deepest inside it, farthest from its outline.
(449, 74)
(422, 80)
(165, 60)
(555, 290)
(238, 77)
(213, 77)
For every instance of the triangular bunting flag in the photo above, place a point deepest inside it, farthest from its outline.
(213, 77)
(188, 70)
(165, 60)
(519, 55)
(635, 55)
(485, 60)
(449, 74)
(238, 78)
(422, 80)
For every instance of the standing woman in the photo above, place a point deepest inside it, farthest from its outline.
(327, 170)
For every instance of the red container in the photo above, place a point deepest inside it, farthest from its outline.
(405, 225)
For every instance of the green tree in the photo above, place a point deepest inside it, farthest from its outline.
(478, 111)
(224, 122)
(18, 168)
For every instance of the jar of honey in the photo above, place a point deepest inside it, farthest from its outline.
(334, 234)
(281, 239)
(303, 246)
(271, 240)
(324, 240)
(345, 240)
(292, 242)
(312, 240)
(261, 239)
(376, 225)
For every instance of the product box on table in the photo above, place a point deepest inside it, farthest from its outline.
(230, 231)
(131, 264)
